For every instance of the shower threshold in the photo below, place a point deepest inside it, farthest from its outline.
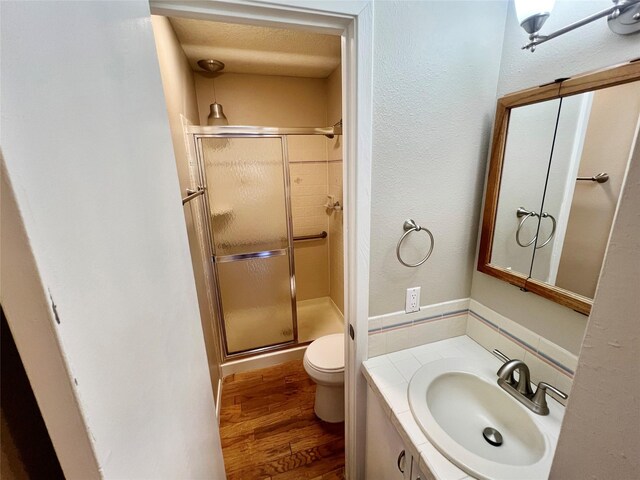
(316, 317)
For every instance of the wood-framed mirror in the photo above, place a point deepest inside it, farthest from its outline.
(558, 161)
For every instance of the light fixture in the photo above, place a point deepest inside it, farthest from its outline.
(623, 18)
(216, 113)
(533, 14)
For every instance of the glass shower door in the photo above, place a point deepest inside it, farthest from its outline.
(247, 185)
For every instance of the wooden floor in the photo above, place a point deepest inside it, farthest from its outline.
(269, 430)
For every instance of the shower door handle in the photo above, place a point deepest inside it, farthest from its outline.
(191, 194)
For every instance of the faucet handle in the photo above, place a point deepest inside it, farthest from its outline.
(540, 398)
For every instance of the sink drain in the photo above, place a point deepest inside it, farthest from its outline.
(493, 436)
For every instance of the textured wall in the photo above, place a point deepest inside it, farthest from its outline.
(435, 73)
(591, 47)
(600, 436)
(86, 141)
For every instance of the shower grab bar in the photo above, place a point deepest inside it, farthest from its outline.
(191, 194)
(302, 238)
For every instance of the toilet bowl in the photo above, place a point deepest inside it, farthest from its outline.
(324, 363)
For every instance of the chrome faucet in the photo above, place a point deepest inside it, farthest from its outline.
(521, 389)
(523, 385)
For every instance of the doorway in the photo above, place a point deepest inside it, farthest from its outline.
(353, 22)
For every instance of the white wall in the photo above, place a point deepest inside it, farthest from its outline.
(87, 148)
(434, 85)
(180, 96)
(37, 343)
(600, 436)
(591, 47)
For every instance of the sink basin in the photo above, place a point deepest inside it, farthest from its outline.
(453, 400)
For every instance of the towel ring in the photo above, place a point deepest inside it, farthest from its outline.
(409, 227)
(526, 214)
(553, 229)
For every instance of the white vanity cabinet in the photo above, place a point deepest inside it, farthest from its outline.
(416, 473)
(386, 455)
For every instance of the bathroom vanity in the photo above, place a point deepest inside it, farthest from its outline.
(426, 409)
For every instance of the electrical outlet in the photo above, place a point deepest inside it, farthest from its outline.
(412, 302)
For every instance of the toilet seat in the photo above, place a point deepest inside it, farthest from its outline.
(326, 354)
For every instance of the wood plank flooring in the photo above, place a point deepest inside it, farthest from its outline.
(269, 430)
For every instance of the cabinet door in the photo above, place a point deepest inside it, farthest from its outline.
(386, 456)
(416, 473)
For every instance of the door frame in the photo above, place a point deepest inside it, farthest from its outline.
(353, 21)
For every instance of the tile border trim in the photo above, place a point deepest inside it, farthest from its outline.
(501, 331)
(534, 351)
(410, 323)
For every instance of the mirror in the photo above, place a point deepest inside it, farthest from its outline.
(558, 163)
(525, 167)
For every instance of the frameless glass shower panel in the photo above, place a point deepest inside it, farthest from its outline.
(246, 191)
(256, 298)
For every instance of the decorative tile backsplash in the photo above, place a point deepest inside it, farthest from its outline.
(398, 331)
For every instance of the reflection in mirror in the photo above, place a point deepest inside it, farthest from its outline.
(526, 161)
(596, 134)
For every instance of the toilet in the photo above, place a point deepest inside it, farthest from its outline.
(324, 362)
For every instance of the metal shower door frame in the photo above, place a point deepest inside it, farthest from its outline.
(197, 134)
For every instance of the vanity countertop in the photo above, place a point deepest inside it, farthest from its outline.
(389, 375)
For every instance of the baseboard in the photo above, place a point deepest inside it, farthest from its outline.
(262, 361)
(218, 399)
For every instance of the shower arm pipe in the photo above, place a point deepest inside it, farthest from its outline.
(256, 130)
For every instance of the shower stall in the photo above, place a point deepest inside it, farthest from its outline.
(241, 198)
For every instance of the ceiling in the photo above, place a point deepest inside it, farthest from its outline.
(258, 50)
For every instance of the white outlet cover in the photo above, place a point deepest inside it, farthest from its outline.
(412, 300)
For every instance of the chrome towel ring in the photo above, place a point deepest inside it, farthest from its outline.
(525, 215)
(410, 226)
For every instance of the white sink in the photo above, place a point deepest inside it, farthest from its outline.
(454, 399)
